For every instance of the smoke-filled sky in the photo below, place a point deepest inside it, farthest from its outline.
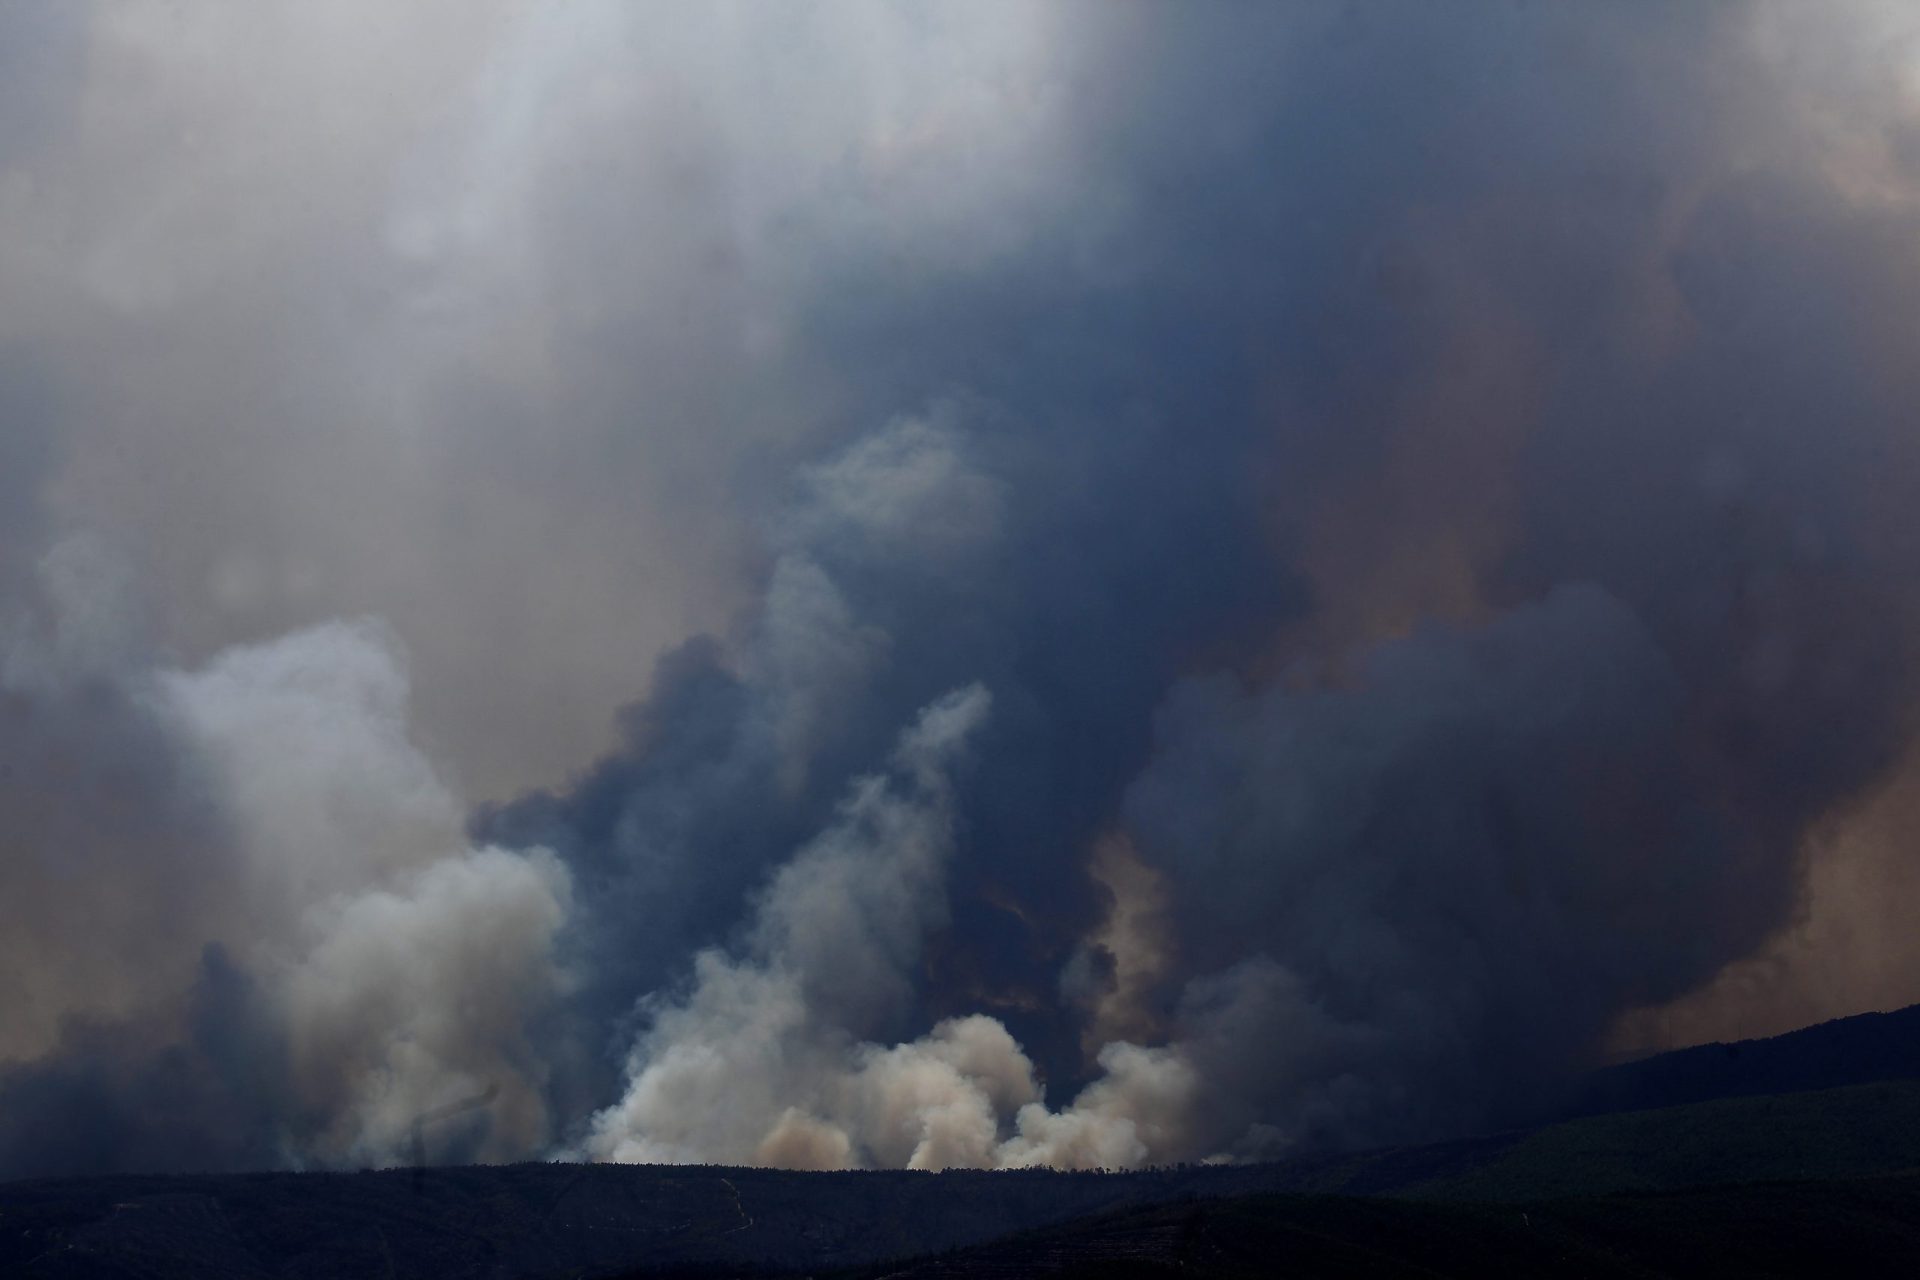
(876, 584)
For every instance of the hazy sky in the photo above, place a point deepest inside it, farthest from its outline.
(879, 583)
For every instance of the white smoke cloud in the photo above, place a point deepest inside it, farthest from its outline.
(269, 804)
(941, 1101)
(405, 967)
(827, 963)
(307, 734)
(423, 994)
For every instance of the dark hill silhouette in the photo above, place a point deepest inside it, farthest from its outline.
(540, 1220)
(1853, 1227)
(1858, 1050)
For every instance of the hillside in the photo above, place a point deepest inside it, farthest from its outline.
(547, 1219)
(1834, 1133)
(1864, 1227)
(1855, 1050)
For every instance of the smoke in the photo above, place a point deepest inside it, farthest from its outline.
(1427, 495)
(408, 992)
(739, 1066)
(245, 923)
(1452, 874)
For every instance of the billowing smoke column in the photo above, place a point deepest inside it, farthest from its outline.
(1305, 568)
(247, 925)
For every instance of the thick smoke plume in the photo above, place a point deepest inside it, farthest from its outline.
(248, 926)
(1218, 581)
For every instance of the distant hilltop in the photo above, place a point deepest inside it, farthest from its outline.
(1862, 1049)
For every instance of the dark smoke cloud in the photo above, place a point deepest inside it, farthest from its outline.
(1426, 493)
(1481, 308)
(1454, 873)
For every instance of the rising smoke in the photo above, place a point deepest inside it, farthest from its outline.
(1259, 580)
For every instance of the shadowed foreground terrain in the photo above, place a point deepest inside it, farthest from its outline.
(1789, 1183)
(1856, 1227)
(544, 1220)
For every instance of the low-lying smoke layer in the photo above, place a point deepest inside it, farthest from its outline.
(1297, 575)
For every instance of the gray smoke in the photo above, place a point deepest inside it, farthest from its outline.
(743, 1066)
(247, 925)
(1452, 875)
(1427, 493)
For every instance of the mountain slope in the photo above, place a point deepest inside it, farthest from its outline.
(1857, 1050)
(1861, 1227)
